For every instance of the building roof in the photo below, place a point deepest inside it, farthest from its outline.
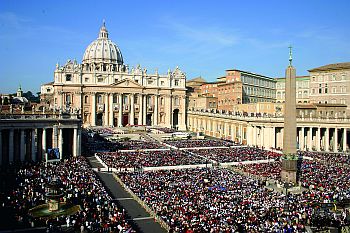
(282, 79)
(50, 83)
(250, 73)
(336, 66)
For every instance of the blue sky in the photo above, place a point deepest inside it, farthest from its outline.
(203, 38)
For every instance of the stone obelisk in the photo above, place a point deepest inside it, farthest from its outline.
(289, 158)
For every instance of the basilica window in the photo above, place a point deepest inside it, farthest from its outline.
(162, 83)
(99, 99)
(176, 82)
(161, 101)
(68, 99)
(150, 81)
(86, 99)
(68, 77)
(176, 101)
(99, 79)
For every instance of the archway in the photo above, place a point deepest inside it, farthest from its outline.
(125, 119)
(99, 119)
(149, 119)
(175, 118)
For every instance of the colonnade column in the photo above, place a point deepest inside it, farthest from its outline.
(327, 139)
(60, 142)
(22, 145)
(33, 145)
(233, 132)
(155, 110)
(335, 148)
(273, 139)
(144, 110)
(132, 113)
(240, 132)
(75, 135)
(302, 139)
(93, 110)
(0, 147)
(106, 116)
(111, 113)
(120, 113)
(10, 145)
(344, 139)
(318, 139)
(309, 138)
(249, 133)
(43, 142)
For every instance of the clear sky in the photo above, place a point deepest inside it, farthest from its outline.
(203, 38)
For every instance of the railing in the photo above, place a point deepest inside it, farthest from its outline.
(268, 118)
(38, 116)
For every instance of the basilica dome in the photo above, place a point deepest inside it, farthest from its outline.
(103, 50)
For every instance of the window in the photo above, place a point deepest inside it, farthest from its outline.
(176, 82)
(150, 81)
(86, 99)
(48, 90)
(86, 80)
(68, 99)
(326, 88)
(99, 79)
(161, 101)
(176, 101)
(68, 77)
(99, 99)
(162, 83)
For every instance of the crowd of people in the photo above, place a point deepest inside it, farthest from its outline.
(98, 213)
(236, 154)
(139, 159)
(192, 143)
(139, 145)
(219, 200)
(268, 170)
(331, 158)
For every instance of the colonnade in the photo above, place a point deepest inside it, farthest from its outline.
(18, 144)
(314, 135)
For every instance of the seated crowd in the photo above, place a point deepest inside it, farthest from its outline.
(81, 186)
(139, 145)
(313, 175)
(191, 143)
(332, 158)
(236, 154)
(219, 200)
(148, 159)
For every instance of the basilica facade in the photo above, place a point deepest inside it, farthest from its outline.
(108, 93)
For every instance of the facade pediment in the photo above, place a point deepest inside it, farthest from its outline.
(127, 83)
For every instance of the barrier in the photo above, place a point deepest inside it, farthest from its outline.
(142, 203)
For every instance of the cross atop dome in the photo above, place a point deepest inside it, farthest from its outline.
(103, 31)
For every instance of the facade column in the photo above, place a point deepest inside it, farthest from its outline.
(33, 149)
(144, 110)
(93, 110)
(75, 146)
(318, 139)
(78, 142)
(120, 113)
(132, 107)
(1, 158)
(156, 114)
(111, 110)
(168, 114)
(10, 145)
(226, 130)
(106, 116)
(254, 136)
(60, 142)
(240, 133)
(335, 148)
(22, 146)
(182, 115)
(344, 139)
(233, 132)
(327, 139)
(43, 141)
(140, 117)
(309, 139)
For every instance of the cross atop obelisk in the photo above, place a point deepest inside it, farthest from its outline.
(290, 55)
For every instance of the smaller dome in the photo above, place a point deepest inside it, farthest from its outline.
(103, 50)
